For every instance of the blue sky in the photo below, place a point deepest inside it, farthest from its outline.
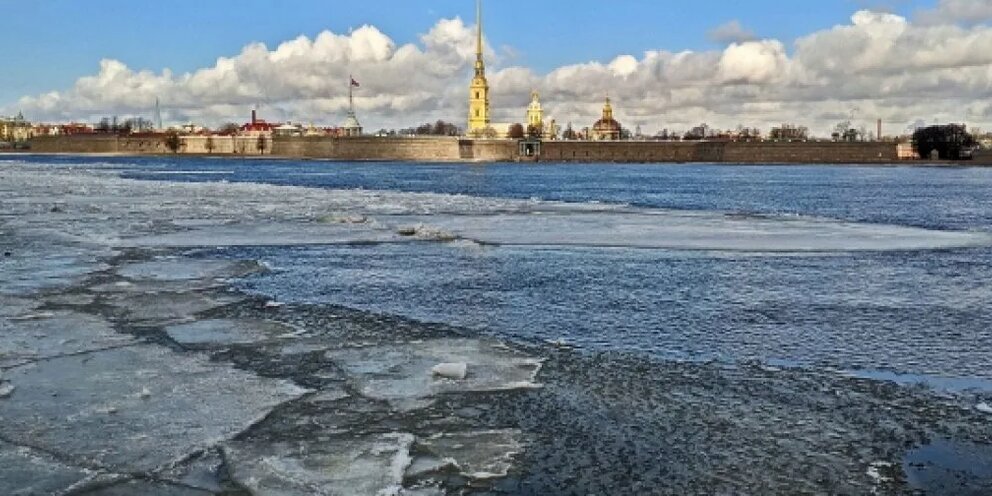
(901, 61)
(51, 43)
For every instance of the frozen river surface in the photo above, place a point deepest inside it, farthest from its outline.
(208, 327)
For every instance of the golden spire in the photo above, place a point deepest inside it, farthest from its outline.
(480, 65)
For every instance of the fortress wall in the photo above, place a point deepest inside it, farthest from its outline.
(983, 157)
(224, 145)
(142, 145)
(488, 150)
(445, 149)
(810, 152)
(370, 148)
(617, 151)
(717, 151)
(74, 144)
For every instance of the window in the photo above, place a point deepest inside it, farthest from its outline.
(477, 112)
(477, 95)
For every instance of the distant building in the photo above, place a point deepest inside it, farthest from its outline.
(288, 130)
(256, 126)
(15, 129)
(607, 128)
(906, 151)
(789, 132)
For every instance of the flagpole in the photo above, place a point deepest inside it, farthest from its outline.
(351, 94)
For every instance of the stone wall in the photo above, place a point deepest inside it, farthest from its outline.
(370, 148)
(715, 151)
(74, 144)
(983, 157)
(465, 150)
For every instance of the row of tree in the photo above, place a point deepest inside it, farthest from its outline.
(944, 142)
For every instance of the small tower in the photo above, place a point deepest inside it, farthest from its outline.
(478, 100)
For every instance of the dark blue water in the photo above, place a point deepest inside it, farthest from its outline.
(925, 314)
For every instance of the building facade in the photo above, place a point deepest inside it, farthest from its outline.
(15, 129)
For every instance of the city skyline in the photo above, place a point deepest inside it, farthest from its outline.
(927, 61)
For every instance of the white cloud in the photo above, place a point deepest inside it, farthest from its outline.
(887, 66)
(731, 32)
(957, 11)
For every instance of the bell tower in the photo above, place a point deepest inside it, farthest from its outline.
(478, 99)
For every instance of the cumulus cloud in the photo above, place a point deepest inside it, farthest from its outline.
(888, 66)
(731, 32)
(957, 11)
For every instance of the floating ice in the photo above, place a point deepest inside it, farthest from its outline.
(681, 230)
(61, 334)
(984, 408)
(368, 465)
(24, 472)
(478, 455)
(90, 407)
(168, 307)
(201, 472)
(6, 389)
(224, 332)
(186, 269)
(455, 371)
(143, 487)
(401, 373)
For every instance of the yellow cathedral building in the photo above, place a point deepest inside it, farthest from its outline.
(480, 123)
(478, 103)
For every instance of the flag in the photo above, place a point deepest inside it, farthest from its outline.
(355, 83)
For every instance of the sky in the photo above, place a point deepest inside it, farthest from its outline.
(664, 64)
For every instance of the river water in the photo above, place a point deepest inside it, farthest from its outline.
(716, 277)
(893, 307)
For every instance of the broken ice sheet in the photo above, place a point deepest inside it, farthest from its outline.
(63, 333)
(168, 307)
(367, 465)
(225, 332)
(24, 472)
(93, 407)
(476, 455)
(402, 373)
(142, 487)
(38, 265)
(175, 269)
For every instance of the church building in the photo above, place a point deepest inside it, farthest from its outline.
(606, 128)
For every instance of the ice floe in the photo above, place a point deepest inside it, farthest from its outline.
(176, 269)
(225, 332)
(194, 404)
(25, 472)
(454, 371)
(61, 333)
(476, 455)
(402, 373)
(168, 307)
(371, 465)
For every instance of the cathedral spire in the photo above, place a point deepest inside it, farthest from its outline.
(478, 100)
(480, 65)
